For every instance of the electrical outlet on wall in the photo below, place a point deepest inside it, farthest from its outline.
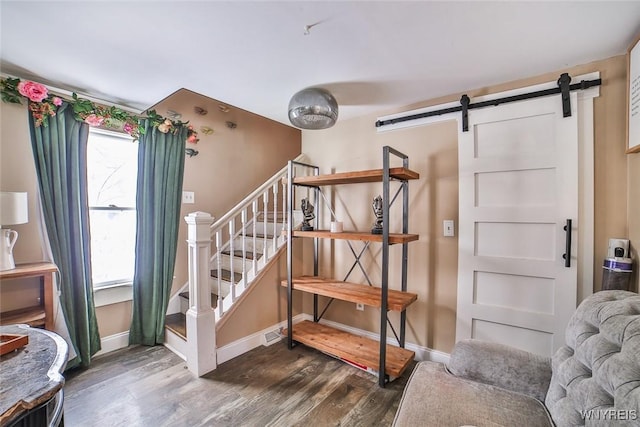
(359, 306)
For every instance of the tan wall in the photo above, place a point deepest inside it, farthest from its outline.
(231, 162)
(230, 165)
(17, 173)
(355, 144)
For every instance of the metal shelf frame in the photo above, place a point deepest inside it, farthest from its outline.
(387, 202)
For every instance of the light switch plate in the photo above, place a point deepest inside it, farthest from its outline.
(188, 197)
(449, 230)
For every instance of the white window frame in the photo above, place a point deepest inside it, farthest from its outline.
(113, 292)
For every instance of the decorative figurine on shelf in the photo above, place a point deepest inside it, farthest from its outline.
(377, 211)
(307, 212)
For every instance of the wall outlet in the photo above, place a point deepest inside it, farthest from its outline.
(449, 230)
(359, 306)
(188, 197)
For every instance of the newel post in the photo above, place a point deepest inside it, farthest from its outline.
(201, 319)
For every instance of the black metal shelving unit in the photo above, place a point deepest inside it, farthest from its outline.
(401, 357)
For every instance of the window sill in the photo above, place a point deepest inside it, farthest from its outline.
(112, 294)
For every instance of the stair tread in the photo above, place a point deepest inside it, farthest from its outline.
(259, 235)
(238, 253)
(352, 348)
(177, 323)
(214, 298)
(226, 275)
(353, 292)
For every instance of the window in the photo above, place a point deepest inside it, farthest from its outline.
(112, 177)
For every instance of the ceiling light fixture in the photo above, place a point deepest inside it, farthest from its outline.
(313, 108)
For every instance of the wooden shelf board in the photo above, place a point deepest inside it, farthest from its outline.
(394, 238)
(28, 270)
(353, 348)
(32, 316)
(373, 175)
(352, 292)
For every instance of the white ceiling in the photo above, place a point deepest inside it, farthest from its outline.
(373, 56)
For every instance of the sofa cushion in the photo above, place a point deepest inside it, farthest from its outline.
(435, 397)
(596, 376)
(503, 366)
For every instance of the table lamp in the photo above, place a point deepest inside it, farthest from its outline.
(13, 210)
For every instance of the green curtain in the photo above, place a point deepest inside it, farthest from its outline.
(160, 176)
(60, 154)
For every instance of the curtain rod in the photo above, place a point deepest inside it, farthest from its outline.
(68, 93)
(563, 87)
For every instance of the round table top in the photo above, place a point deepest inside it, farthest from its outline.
(30, 375)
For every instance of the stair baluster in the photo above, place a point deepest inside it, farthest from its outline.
(244, 248)
(275, 216)
(219, 270)
(254, 208)
(265, 200)
(232, 234)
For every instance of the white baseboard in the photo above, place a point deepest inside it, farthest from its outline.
(113, 343)
(252, 341)
(422, 353)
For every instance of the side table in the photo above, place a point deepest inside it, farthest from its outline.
(40, 315)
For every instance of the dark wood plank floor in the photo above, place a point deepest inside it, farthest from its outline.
(268, 386)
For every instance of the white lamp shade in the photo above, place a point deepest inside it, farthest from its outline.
(14, 208)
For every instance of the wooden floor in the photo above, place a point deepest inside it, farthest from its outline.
(268, 386)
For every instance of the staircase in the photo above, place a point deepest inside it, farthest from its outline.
(225, 258)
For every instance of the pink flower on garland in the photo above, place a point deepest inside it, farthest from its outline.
(34, 91)
(94, 120)
(127, 127)
(56, 101)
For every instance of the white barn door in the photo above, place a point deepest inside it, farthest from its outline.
(518, 185)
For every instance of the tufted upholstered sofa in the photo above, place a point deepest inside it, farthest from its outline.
(593, 380)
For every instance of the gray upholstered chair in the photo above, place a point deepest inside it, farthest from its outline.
(594, 380)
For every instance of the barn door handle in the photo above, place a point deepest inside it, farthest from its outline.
(567, 248)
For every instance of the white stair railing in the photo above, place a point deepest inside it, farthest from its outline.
(247, 224)
(222, 236)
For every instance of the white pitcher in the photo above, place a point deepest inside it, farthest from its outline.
(8, 239)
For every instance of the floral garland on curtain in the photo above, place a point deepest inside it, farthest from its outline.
(44, 105)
